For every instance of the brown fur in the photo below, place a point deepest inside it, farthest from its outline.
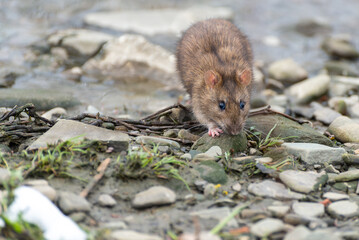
(218, 46)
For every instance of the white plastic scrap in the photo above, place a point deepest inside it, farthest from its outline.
(39, 210)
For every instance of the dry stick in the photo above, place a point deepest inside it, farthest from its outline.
(101, 169)
(161, 111)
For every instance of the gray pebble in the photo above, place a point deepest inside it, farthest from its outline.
(106, 200)
(70, 202)
(154, 196)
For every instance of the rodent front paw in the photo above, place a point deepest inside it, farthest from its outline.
(214, 131)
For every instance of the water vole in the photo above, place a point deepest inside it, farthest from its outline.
(215, 63)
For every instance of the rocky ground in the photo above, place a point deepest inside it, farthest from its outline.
(292, 174)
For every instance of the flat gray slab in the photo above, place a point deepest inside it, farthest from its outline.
(303, 182)
(308, 209)
(266, 227)
(66, 129)
(273, 189)
(343, 209)
(313, 153)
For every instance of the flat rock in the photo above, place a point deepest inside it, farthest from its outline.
(266, 227)
(132, 235)
(347, 176)
(303, 182)
(285, 129)
(154, 196)
(156, 141)
(278, 211)
(216, 214)
(212, 172)
(313, 153)
(70, 202)
(200, 236)
(308, 209)
(287, 70)
(43, 99)
(326, 115)
(269, 188)
(226, 142)
(309, 89)
(339, 47)
(344, 129)
(79, 42)
(124, 55)
(333, 196)
(298, 233)
(343, 209)
(66, 129)
(106, 200)
(156, 21)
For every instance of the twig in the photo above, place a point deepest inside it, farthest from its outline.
(152, 116)
(101, 169)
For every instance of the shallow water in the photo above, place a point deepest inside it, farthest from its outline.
(23, 23)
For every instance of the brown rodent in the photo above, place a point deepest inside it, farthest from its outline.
(215, 63)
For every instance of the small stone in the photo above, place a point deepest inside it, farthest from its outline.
(117, 225)
(54, 113)
(253, 151)
(70, 202)
(309, 89)
(132, 235)
(213, 153)
(343, 209)
(347, 176)
(341, 68)
(303, 182)
(46, 190)
(154, 196)
(157, 141)
(266, 227)
(298, 233)
(186, 156)
(331, 169)
(78, 216)
(279, 211)
(4, 175)
(171, 133)
(212, 172)
(164, 149)
(237, 187)
(200, 184)
(308, 209)
(200, 236)
(339, 47)
(287, 70)
(272, 189)
(333, 196)
(185, 134)
(326, 115)
(217, 214)
(344, 129)
(294, 219)
(106, 200)
(264, 160)
(313, 153)
(178, 114)
(210, 190)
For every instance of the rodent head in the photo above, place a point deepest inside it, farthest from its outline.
(224, 101)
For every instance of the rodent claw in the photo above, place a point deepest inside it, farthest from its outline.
(213, 132)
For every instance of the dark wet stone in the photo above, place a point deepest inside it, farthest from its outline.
(226, 142)
(43, 99)
(212, 172)
(287, 129)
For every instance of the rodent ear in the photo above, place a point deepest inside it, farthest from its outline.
(245, 77)
(212, 78)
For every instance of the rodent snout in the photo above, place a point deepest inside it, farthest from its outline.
(234, 130)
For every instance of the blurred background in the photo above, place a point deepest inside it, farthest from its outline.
(54, 48)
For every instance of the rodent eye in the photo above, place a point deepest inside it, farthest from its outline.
(242, 104)
(222, 105)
